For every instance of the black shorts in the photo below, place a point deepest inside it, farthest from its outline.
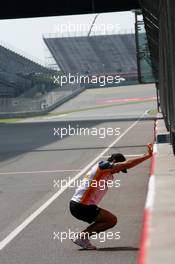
(86, 213)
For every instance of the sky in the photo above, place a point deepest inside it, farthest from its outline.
(26, 35)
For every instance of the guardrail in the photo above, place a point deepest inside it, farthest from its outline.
(28, 107)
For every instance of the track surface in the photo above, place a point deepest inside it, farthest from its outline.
(31, 158)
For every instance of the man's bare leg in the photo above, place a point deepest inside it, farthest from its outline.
(103, 221)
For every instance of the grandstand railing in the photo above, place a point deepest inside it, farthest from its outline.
(22, 53)
(85, 33)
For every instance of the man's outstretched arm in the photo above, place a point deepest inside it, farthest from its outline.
(128, 164)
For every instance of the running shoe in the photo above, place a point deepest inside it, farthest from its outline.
(84, 243)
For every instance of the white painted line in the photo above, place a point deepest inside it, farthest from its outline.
(155, 148)
(133, 155)
(151, 185)
(55, 171)
(54, 117)
(27, 119)
(30, 218)
(62, 115)
(151, 193)
(34, 172)
(127, 155)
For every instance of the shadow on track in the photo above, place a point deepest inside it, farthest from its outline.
(114, 249)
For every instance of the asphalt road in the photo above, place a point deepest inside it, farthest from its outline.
(32, 159)
(116, 102)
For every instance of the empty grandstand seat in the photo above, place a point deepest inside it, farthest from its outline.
(94, 54)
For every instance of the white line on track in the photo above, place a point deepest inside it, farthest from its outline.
(133, 155)
(127, 155)
(30, 218)
(34, 172)
(55, 171)
(54, 117)
(151, 193)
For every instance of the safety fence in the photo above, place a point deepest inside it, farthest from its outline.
(159, 22)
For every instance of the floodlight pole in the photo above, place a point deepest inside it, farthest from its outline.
(93, 23)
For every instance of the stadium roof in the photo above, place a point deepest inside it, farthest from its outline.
(24, 9)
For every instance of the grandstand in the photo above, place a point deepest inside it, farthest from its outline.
(16, 72)
(95, 54)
